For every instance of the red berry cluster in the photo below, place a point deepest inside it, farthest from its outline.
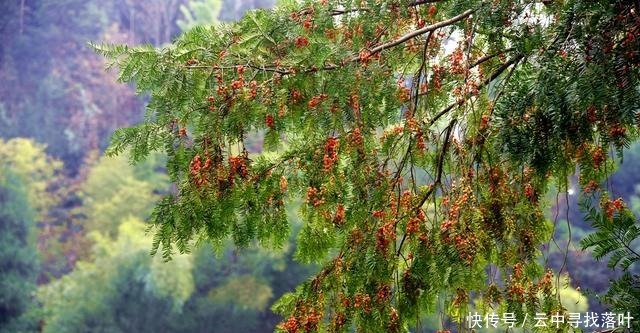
(253, 89)
(354, 101)
(597, 157)
(210, 101)
(383, 293)
(307, 24)
(221, 90)
(484, 122)
(617, 132)
(283, 184)
(362, 301)
(314, 197)
(301, 41)
(413, 226)
(338, 321)
(384, 236)
(456, 61)
(466, 245)
(269, 121)
(529, 192)
(364, 56)
(592, 186)
(405, 200)
(311, 320)
(433, 10)
(330, 153)
(445, 228)
(338, 219)
(291, 325)
(404, 94)
(516, 292)
(238, 166)
(296, 96)
(545, 284)
(438, 74)
(198, 170)
(420, 144)
(355, 137)
(237, 84)
(315, 100)
(611, 206)
(394, 320)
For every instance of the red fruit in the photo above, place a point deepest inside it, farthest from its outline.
(291, 325)
(529, 192)
(269, 121)
(330, 153)
(301, 41)
(597, 157)
(432, 10)
(307, 24)
(340, 213)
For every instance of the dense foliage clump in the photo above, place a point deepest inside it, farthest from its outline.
(421, 136)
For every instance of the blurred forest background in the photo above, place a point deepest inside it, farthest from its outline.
(74, 255)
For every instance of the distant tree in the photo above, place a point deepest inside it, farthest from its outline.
(18, 252)
(235, 9)
(122, 290)
(41, 176)
(422, 135)
(204, 12)
(34, 167)
(54, 87)
(115, 190)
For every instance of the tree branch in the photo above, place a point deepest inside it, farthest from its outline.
(422, 2)
(488, 80)
(422, 31)
(438, 180)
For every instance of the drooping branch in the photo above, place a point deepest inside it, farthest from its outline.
(438, 181)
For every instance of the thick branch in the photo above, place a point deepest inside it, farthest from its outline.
(422, 31)
(440, 165)
(488, 80)
(489, 57)
(422, 2)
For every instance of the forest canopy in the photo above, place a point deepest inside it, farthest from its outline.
(421, 136)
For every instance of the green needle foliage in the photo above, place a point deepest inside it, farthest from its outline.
(421, 136)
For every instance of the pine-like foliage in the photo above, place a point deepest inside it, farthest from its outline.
(617, 238)
(616, 234)
(421, 135)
